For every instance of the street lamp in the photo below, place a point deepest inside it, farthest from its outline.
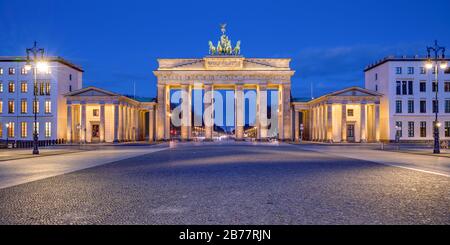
(7, 135)
(35, 61)
(436, 62)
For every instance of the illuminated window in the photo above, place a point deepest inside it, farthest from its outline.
(447, 129)
(1, 87)
(35, 106)
(23, 106)
(350, 112)
(11, 129)
(11, 106)
(410, 129)
(48, 129)
(41, 89)
(1, 71)
(47, 88)
(36, 127)
(23, 87)
(48, 107)
(23, 129)
(23, 71)
(11, 87)
(12, 71)
(1, 131)
(95, 113)
(1, 106)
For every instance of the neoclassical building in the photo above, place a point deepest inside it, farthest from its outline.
(349, 115)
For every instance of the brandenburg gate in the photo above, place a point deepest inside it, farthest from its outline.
(224, 69)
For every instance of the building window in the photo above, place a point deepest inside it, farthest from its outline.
(447, 70)
(11, 130)
(447, 86)
(434, 86)
(70, 88)
(35, 106)
(95, 112)
(36, 127)
(400, 128)
(398, 87)
(23, 129)
(398, 106)
(410, 129)
(41, 89)
(1, 71)
(410, 70)
(11, 106)
(23, 71)
(11, 87)
(435, 106)
(410, 87)
(423, 106)
(423, 70)
(404, 88)
(423, 86)
(423, 129)
(70, 77)
(398, 70)
(48, 129)
(410, 106)
(47, 88)
(447, 129)
(376, 87)
(23, 106)
(447, 106)
(376, 76)
(1, 106)
(48, 107)
(1, 131)
(350, 112)
(1, 87)
(23, 87)
(12, 71)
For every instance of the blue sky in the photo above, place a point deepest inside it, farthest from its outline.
(118, 42)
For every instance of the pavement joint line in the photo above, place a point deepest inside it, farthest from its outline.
(385, 163)
(42, 155)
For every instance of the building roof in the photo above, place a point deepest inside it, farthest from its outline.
(50, 58)
(95, 91)
(396, 58)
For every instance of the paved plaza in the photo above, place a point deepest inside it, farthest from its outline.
(227, 183)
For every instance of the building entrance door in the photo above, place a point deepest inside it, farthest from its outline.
(95, 133)
(351, 132)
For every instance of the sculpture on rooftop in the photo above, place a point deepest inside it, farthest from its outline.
(224, 46)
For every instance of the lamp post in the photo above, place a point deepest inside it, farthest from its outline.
(35, 61)
(436, 62)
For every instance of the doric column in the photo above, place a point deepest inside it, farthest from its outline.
(160, 112)
(185, 112)
(320, 123)
(344, 123)
(136, 123)
(150, 125)
(313, 123)
(287, 113)
(102, 122)
(261, 111)
(363, 134)
(116, 122)
(69, 122)
(280, 113)
(239, 98)
(83, 122)
(377, 121)
(122, 123)
(296, 126)
(330, 122)
(209, 111)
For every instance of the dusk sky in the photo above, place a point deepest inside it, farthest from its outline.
(117, 42)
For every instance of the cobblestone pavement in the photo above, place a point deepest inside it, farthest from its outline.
(232, 184)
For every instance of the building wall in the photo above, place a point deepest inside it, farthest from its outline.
(58, 80)
(386, 82)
